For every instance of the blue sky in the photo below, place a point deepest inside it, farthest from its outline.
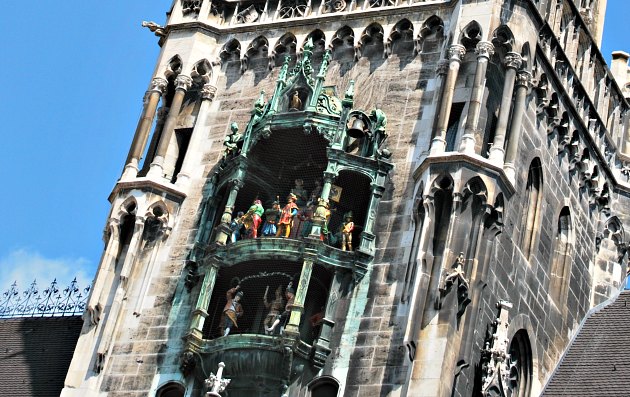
(74, 77)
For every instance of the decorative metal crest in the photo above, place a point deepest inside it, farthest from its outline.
(51, 302)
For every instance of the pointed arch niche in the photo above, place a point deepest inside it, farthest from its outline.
(561, 260)
(530, 221)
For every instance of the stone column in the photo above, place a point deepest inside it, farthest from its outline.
(200, 313)
(159, 125)
(513, 61)
(151, 100)
(223, 229)
(523, 81)
(484, 51)
(319, 218)
(292, 330)
(182, 84)
(456, 53)
(207, 96)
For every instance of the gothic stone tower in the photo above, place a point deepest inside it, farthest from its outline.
(453, 178)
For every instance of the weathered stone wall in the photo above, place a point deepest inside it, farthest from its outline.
(374, 320)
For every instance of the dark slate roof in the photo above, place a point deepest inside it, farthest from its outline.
(35, 354)
(597, 362)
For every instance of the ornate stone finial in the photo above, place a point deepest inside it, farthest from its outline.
(484, 49)
(260, 103)
(349, 96)
(524, 78)
(455, 278)
(285, 68)
(496, 362)
(208, 92)
(456, 52)
(158, 85)
(513, 60)
(158, 30)
(325, 62)
(308, 48)
(183, 82)
(216, 384)
(457, 273)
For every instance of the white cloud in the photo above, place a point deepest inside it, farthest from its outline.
(24, 266)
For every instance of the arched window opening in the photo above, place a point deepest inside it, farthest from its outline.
(503, 40)
(352, 197)
(454, 121)
(561, 260)
(127, 226)
(319, 47)
(443, 201)
(401, 39)
(371, 41)
(432, 35)
(171, 389)
(324, 386)
(343, 45)
(471, 35)
(531, 208)
(288, 162)
(285, 47)
(490, 113)
(522, 366)
(257, 55)
(265, 287)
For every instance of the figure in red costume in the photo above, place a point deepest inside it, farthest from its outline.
(286, 217)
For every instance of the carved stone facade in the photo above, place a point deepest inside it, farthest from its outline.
(397, 174)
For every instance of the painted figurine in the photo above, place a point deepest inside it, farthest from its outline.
(346, 232)
(289, 295)
(272, 215)
(233, 309)
(286, 217)
(307, 220)
(255, 212)
(317, 191)
(236, 226)
(275, 309)
(296, 102)
(300, 192)
(323, 212)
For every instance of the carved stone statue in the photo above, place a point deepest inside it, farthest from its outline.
(232, 142)
(457, 273)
